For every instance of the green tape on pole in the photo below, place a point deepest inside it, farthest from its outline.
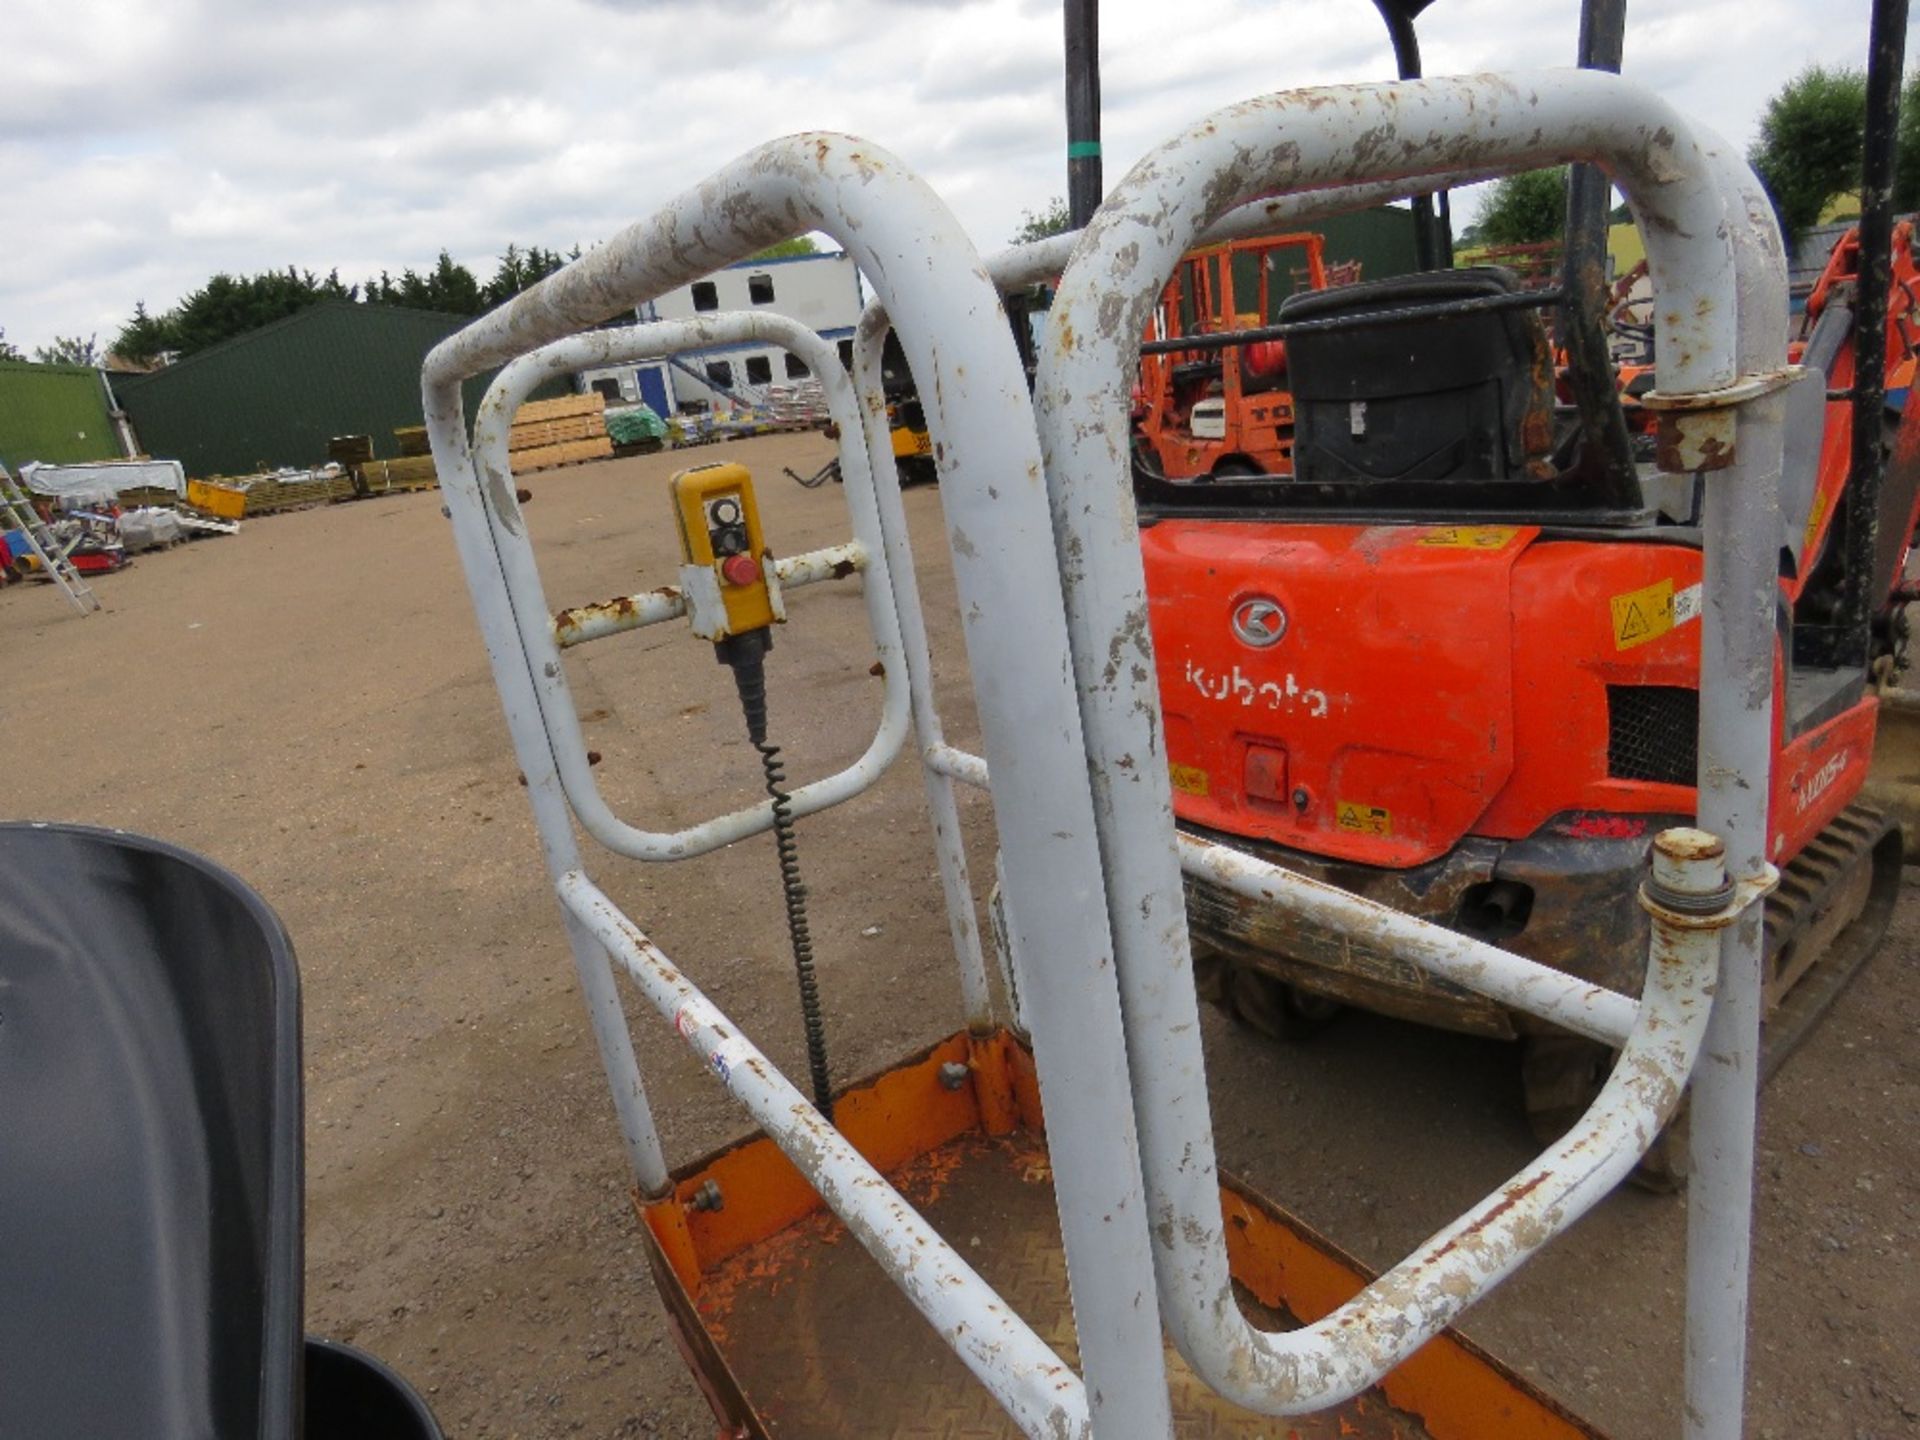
(1083, 149)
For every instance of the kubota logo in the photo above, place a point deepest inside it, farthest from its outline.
(1259, 621)
(1821, 781)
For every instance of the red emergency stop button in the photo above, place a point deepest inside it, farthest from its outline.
(740, 569)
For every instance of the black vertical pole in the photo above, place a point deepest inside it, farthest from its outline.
(1084, 185)
(1886, 46)
(1406, 59)
(1603, 25)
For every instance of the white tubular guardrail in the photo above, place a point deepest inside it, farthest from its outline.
(1012, 612)
(1300, 141)
(1735, 784)
(538, 629)
(943, 811)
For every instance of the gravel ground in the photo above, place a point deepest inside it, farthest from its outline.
(309, 704)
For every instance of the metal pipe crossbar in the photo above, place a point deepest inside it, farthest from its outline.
(1501, 975)
(1034, 261)
(1407, 315)
(580, 623)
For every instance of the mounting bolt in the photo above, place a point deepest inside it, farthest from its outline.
(953, 1075)
(1302, 797)
(708, 1197)
(1689, 872)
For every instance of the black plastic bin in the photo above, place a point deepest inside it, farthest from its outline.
(352, 1396)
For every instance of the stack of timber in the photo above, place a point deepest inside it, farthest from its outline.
(564, 431)
(295, 489)
(409, 472)
(348, 451)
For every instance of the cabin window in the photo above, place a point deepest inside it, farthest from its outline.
(705, 295)
(797, 368)
(846, 354)
(759, 370)
(760, 289)
(720, 373)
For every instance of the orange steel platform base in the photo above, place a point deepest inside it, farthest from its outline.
(793, 1331)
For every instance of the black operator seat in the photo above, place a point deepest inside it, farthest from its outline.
(1445, 397)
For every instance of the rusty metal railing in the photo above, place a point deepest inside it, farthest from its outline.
(544, 633)
(1050, 582)
(1013, 615)
(1706, 248)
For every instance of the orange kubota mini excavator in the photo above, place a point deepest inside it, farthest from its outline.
(1450, 659)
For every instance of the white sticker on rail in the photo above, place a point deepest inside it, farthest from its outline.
(727, 1056)
(1686, 604)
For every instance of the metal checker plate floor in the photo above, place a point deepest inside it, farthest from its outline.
(824, 1346)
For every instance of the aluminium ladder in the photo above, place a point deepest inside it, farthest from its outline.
(17, 511)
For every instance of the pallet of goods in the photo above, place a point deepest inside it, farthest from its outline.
(568, 452)
(539, 425)
(565, 431)
(294, 489)
(409, 472)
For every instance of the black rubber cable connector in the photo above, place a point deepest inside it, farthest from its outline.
(746, 656)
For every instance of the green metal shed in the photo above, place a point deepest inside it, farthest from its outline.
(274, 396)
(56, 414)
(1381, 239)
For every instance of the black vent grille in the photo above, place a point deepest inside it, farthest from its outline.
(1652, 732)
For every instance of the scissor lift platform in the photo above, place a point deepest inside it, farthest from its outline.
(795, 1333)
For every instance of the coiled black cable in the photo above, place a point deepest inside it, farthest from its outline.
(745, 655)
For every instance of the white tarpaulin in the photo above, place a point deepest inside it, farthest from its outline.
(99, 483)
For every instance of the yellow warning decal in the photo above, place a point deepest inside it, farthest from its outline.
(1469, 537)
(1363, 819)
(1188, 779)
(1647, 614)
(1642, 615)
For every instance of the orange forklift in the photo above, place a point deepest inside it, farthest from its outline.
(1448, 656)
(1206, 412)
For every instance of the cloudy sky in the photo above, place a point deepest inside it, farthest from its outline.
(145, 144)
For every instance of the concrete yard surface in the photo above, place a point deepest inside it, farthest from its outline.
(309, 704)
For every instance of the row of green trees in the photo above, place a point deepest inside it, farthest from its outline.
(229, 305)
(1808, 151)
(65, 350)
